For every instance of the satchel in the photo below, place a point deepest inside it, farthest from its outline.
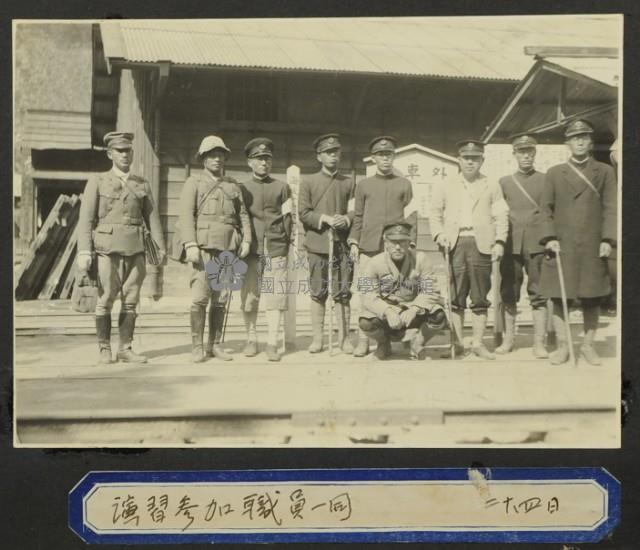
(84, 297)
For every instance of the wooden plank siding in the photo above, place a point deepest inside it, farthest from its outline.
(432, 112)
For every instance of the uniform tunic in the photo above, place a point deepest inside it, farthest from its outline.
(380, 200)
(212, 215)
(384, 285)
(580, 219)
(523, 252)
(269, 204)
(111, 223)
(329, 194)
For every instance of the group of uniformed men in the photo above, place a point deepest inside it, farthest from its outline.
(524, 221)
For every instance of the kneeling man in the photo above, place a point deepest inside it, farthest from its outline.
(398, 293)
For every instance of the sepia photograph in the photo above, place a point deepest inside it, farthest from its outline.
(318, 232)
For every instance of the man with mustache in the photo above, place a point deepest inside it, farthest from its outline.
(115, 207)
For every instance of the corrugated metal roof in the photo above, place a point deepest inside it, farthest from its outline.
(533, 106)
(57, 130)
(453, 47)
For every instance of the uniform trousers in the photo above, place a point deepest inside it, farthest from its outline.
(119, 274)
(267, 277)
(471, 276)
(341, 273)
(434, 321)
(201, 291)
(512, 269)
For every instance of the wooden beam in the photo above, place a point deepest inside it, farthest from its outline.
(571, 51)
(582, 114)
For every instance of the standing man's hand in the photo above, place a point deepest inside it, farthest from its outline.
(83, 261)
(340, 221)
(244, 249)
(442, 240)
(553, 246)
(354, 252)
(605, 250)
(497, 251)
(193, 254)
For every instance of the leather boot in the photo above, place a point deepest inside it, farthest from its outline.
(561, 353)
(587, 351)
(344, 329)
(216, 322)
(509, 336)
(103, 332)
(317, 326)
(416, 345)
(539, 329)
(479, 323)
(198, 314)
(126, 328)
(251, 347)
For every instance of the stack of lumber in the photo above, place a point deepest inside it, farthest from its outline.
(47, 269)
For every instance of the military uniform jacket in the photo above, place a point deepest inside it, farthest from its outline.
(380, 200)
(525, 218)
(489, 211)
(269, 204)
(383, 284)
(221, 222)
(324, 194)
(112, 214)
(580, 220)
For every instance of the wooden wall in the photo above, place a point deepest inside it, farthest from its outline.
(433, 112)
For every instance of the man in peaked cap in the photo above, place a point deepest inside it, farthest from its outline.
(523, 192)
(213, 219)
(324, 202)
(115, 207)
(270, 205)
(399, 294)
(469, 217)
(379, 200)
(579, 220)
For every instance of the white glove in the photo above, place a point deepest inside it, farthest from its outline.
(244, 249)
(83, 261)
(497, 251)
(394, 320)
(553, 245)
(193, 254)
(605, 250)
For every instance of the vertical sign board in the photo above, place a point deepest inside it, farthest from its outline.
(551, 505)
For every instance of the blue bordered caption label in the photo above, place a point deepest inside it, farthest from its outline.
(350, 505)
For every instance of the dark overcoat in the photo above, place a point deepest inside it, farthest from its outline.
(580, 219)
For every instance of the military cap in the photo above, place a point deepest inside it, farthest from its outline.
(470, 148)
(258, 147)
(382, 143)
(327, 142)
(210, 143)
(578, 127)
(523, 141)
(397, 231)
(120, 140)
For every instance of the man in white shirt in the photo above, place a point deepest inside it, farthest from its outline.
(469, 217)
